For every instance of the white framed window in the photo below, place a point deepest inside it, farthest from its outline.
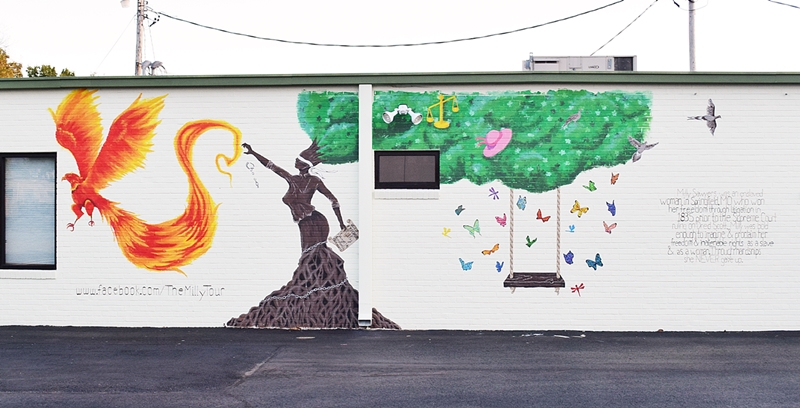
(29, 211)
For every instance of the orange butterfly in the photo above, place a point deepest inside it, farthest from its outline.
(491, 251)
(577, 208)
(539, 216)
(609, 227)
(614, 178)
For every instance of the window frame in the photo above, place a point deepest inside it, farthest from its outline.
(407, 185)
(4, 156)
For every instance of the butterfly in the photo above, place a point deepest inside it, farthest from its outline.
(539, 216)
(522, 202)
(571, 228)
(612, 208)
(577, 288)
(591, 186)
(446, 231)
(499, 265)
(501, 221)
(494, 193)
(530, 242)
(568, 257)
(459, 209)
(614, 178)
(472, 229)
(577, 208)
(609, 228)
(491, 251)
(594, 264)
(465, 265)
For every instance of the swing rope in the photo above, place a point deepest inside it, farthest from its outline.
(558, 232)
(511, 234)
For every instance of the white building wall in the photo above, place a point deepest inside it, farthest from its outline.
(417, 279)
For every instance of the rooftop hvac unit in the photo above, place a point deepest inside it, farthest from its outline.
(586, 64)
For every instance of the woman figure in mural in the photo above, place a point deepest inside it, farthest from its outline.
(319, 295)
(313, 225)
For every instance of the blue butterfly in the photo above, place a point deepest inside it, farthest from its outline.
(494, 193)
(612, 208)
(465, 265)
(571, 228)
(594, 264)
(568, 257)
(459, 209)
(499, 266)
(522, 202)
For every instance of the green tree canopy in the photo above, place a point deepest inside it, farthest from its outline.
(545, 152)
(331, 120)
(9, 69)
(40, 71)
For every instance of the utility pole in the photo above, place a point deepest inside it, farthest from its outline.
(140, 16)
(691, 36)
(140, 35)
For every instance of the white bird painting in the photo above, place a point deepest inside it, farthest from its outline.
(572, 118)
(640, 148)
(710, 117)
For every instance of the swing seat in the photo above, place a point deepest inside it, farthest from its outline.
(534, 280)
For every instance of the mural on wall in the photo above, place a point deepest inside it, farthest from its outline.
(531, 141)
(319, 294)
(161, 247)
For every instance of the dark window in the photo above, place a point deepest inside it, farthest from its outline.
(407, 169)
(623, 63)
(29, 208)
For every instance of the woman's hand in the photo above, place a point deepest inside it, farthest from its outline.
(341, 225)
(247, 148)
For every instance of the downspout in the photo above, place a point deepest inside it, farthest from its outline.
(366, 175)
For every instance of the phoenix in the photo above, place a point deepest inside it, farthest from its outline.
(161, 247)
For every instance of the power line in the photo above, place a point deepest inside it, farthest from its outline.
(480, 37)
(115, 44)
(784, 4)
(626, 27)
(695, 7)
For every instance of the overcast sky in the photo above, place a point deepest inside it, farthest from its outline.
(97, 37)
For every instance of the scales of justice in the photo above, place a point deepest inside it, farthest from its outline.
(441, 123)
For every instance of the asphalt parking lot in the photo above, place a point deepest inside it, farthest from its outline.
(110, 367)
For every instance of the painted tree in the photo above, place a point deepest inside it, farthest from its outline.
(535, 141)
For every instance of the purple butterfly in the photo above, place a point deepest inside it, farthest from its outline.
(568, 257)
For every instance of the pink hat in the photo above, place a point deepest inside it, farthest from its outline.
(495, 141)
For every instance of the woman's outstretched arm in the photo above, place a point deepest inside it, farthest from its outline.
(266, 162)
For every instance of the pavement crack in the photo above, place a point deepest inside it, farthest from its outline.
(249, 373)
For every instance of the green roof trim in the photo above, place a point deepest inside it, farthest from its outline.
(405, 79)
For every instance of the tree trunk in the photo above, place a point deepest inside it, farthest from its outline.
(318, 296)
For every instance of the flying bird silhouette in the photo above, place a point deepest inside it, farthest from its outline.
(640, 148)
(710, 117)
(572, 118)
(157, 247)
